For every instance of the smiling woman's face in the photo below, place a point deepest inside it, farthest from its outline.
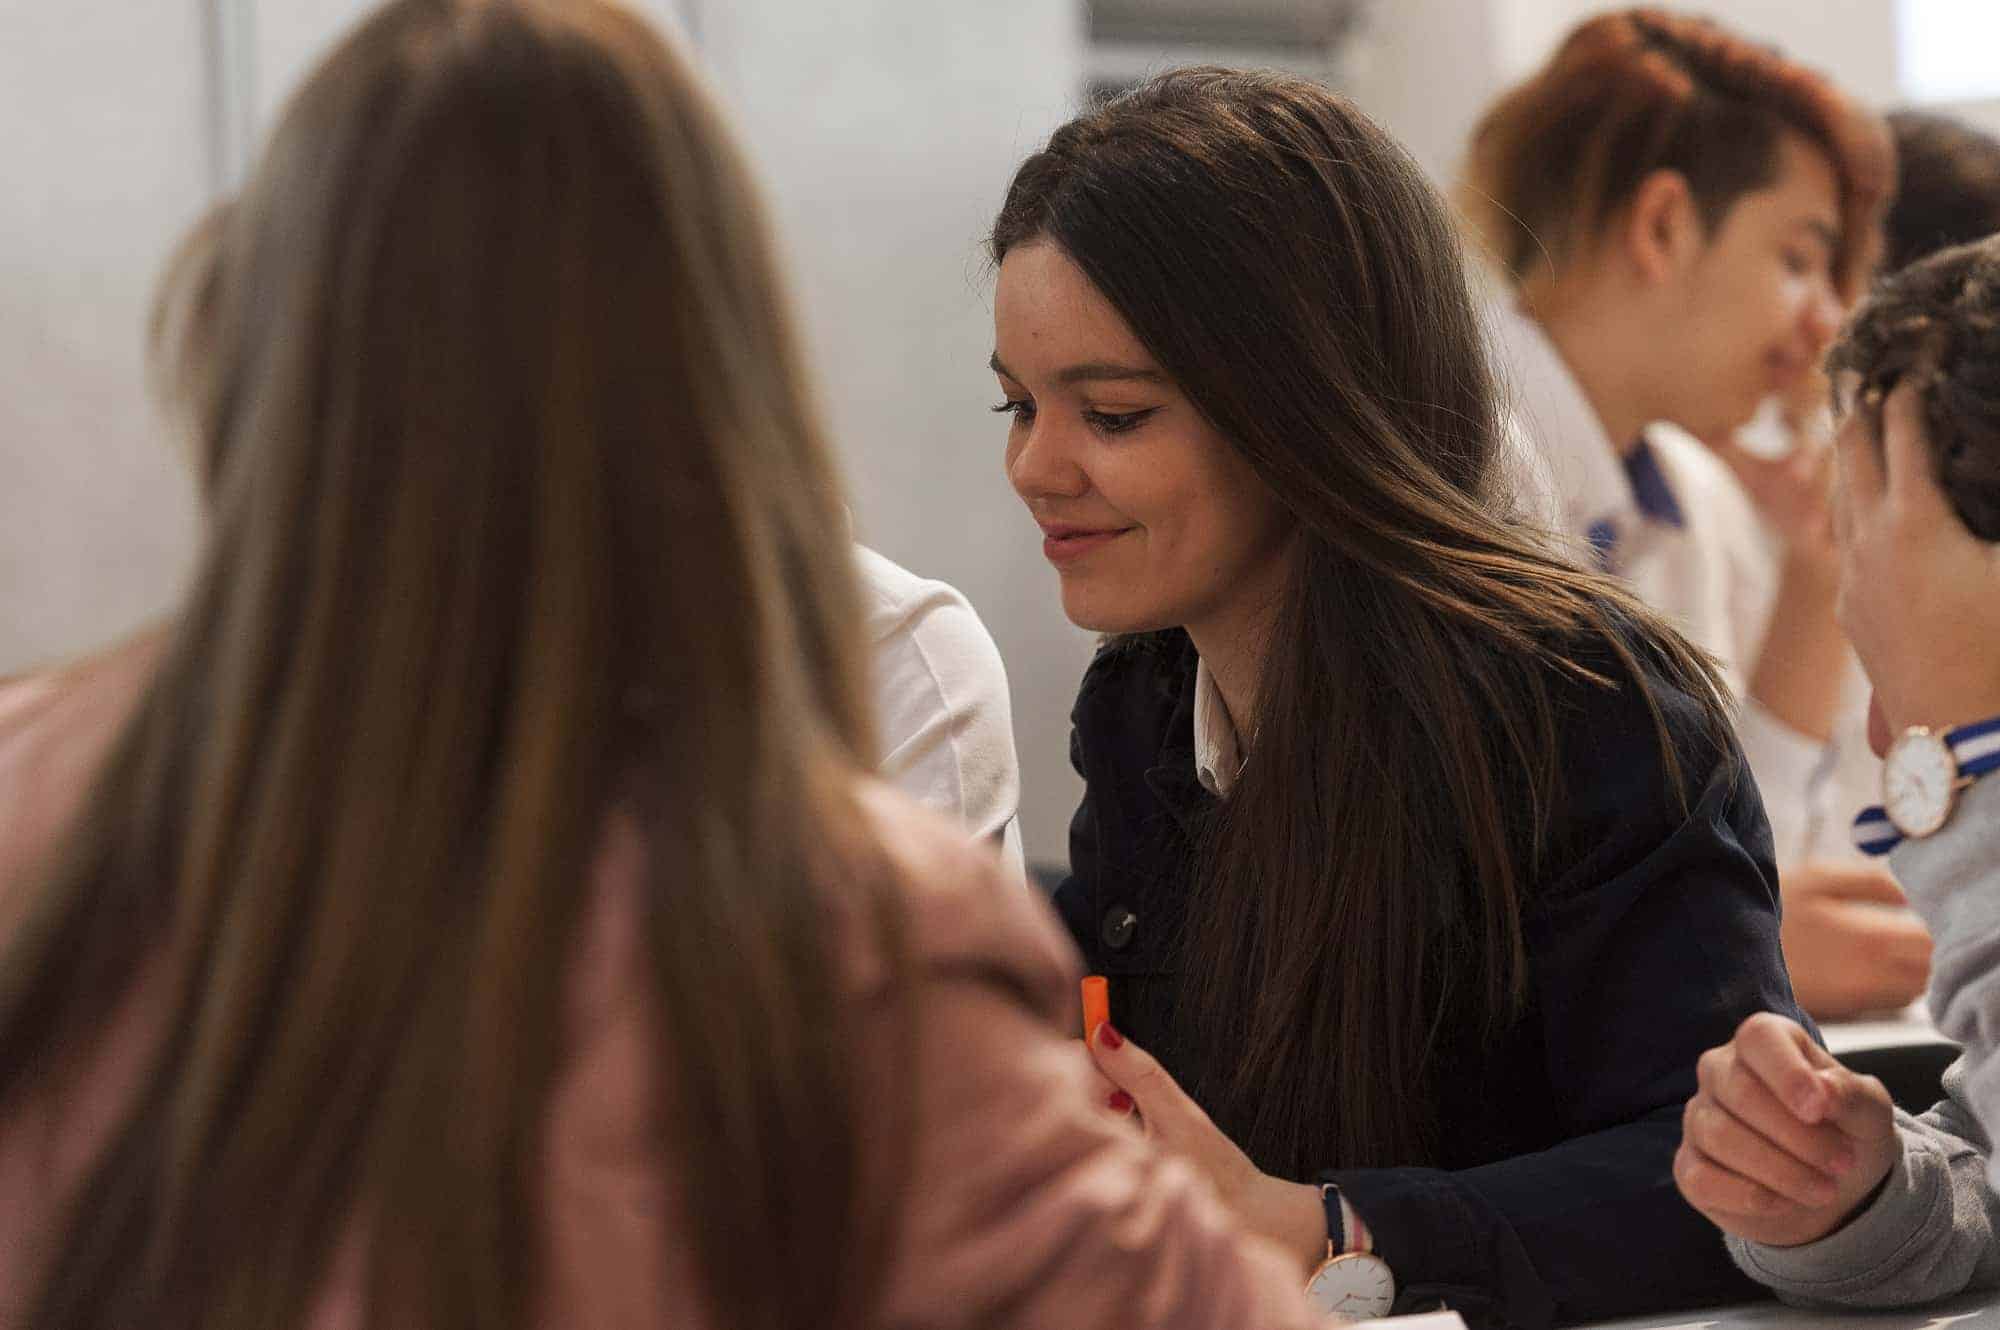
(1151, 519)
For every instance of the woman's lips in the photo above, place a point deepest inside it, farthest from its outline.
(1066, 545)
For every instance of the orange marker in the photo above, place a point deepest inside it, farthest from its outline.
(1096, 1004)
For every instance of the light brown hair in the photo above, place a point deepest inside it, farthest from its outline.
(1359, 896)
(516, 516)
(1636, 91)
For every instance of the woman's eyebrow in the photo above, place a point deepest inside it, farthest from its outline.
(1099, 371)
(1093, 371)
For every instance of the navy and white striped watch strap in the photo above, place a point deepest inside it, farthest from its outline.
(1975, 748)
(1874, 833)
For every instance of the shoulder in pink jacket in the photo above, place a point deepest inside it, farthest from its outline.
(1025, 1204)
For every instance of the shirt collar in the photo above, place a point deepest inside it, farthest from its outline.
(1591, 477)
(1652, 492)
(1218, 757)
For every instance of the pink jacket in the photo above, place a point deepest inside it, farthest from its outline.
(1026, 1204)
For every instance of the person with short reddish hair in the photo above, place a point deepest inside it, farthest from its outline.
(1681, 217)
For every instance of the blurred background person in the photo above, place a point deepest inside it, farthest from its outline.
(1851, 942)
(1680, 216)
(944, 719)
(1947, 187)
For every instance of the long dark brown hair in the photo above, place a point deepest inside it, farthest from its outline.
(517, 519)
(1288, 266)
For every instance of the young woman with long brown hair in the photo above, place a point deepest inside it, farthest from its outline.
(1422, 861)
(471, 909)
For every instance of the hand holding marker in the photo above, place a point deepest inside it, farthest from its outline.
(1290, 1214)
(1096, 1013)
(1096, 1004)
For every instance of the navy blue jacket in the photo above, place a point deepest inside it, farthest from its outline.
(1651, 933)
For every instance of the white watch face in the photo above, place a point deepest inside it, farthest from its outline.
(1919, 777)
(1357, 1285)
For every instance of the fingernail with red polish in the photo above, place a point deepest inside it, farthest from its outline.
(1121, 1102)
(1110, 1037)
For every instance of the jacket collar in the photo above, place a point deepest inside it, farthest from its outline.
(1173, 778)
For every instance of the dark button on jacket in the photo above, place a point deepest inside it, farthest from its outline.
(1650, 937)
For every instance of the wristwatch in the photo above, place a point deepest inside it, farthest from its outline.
(1352, 1281)
(1921, 778)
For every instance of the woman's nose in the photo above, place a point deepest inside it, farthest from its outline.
(1041, 463)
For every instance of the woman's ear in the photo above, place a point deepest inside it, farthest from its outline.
(1663, 229)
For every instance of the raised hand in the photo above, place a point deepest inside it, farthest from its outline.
(1793, 493)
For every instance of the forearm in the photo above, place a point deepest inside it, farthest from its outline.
(1784, 762)
(1950, 878)
(1588, 1230)
(1927, 1234)
(1292, 1215)
(1799, 672)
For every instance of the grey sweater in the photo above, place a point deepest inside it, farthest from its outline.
(1931, 1232)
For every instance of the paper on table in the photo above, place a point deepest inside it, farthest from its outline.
(1425, 1321)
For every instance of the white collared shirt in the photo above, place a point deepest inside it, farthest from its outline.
(1715, 575)
(1218, 756)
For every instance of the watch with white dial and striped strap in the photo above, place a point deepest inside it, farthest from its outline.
(1352, 1281)
(1922, 774)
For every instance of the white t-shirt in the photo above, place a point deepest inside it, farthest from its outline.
(941, 703)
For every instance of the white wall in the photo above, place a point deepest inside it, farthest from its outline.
(1425, 69)
(104, 153)
(887, 131)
